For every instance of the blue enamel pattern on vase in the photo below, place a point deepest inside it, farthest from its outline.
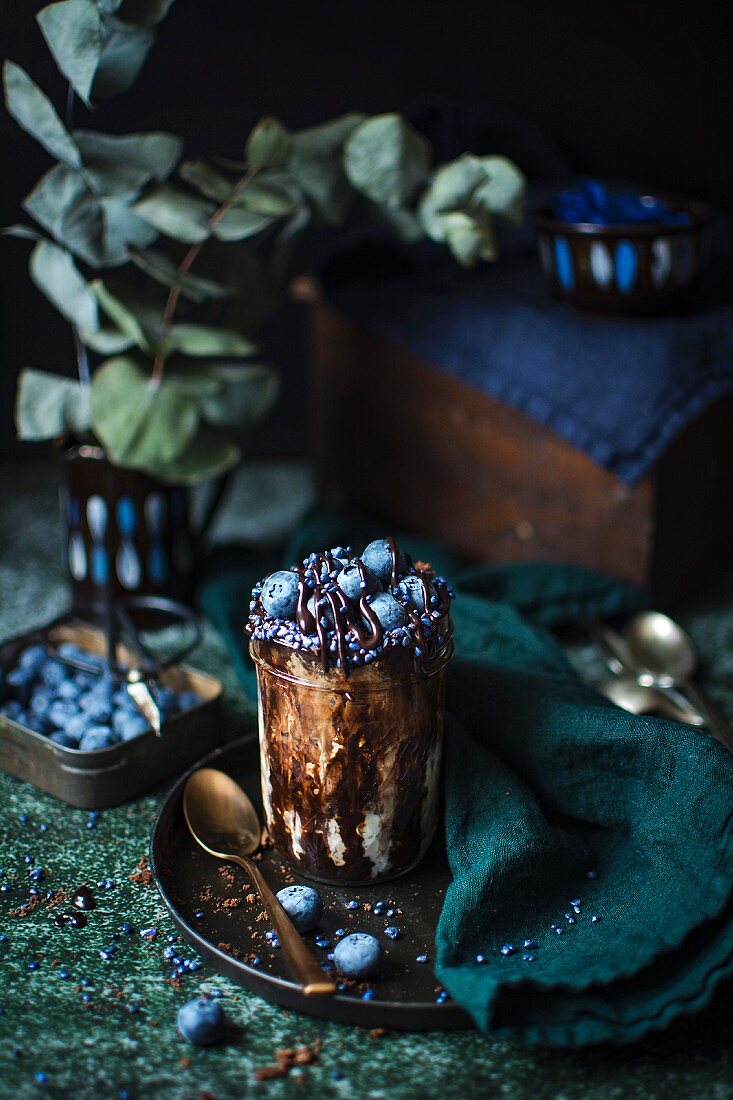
(627, 266)
(564, 263)
(100, 565)
(157, 563)
(126, 516)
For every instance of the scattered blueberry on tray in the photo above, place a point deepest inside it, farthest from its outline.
(74, 708)
(202, 1021)
(359, 956)
(303, 905)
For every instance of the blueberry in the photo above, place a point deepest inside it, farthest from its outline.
(41, 723)
(324, 610)
(77, 726)
(280, 594)
(12, 709)
(61, 711)
(390, 613)
(85, 681)
(131, 726)
(18, 682)
(61, 737)
(40, 701)
(201, 1021)
(53, 673)
(358, 956)
(188, 699)
(303, 905)
(32, 658)
(67, 689)
(349, 581)
(378, 557)
(96, 705)
(413, 590)
(98, 737)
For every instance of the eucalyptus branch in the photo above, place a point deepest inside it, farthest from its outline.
(185, 266)
(82, 358)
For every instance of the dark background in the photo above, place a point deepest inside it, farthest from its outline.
(636, 91)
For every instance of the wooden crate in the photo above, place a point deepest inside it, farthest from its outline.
(397, 436)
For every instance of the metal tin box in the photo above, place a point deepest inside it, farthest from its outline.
(107, 777)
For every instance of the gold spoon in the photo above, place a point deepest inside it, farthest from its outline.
(224, 822)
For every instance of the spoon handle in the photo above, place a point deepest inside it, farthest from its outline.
(714, 720)
(305, 967)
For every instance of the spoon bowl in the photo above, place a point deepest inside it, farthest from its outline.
(221, 818)
(661, 645)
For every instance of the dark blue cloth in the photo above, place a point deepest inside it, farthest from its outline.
(619, 389)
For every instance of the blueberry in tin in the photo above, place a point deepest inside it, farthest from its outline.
(351, 694)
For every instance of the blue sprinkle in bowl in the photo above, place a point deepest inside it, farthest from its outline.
(642, 268)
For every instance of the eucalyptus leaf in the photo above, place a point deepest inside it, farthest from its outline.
(23, 232)
(468, 240)
(238, 223)
(503, 192)
(48, 406)
(73, 33)
(125, 320)
(401, 220)
(268, 144)
(34, 111)
(107, 341)
(204, 340)
(122, 165)
(123, 229)
(143, 13)
(159, 267)
(141, 426)
(316, 163)
(124, 50)
(64, 205)
(247, 391)
(272, 193)
(209, 454)
(386, 159)
(177, 215)
(56, 275)
(197, 379)
(210, 182)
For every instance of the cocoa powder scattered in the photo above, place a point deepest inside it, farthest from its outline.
(142, 874)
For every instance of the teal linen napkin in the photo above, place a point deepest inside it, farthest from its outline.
(546, 782)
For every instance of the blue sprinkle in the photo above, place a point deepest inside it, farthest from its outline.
(340, 932)
(87, 998)
(171, 938)
(480, 958)
(169, 952)
(126, 928)
(508, 949)
(22, 818)
(442, 997)
(591, 874)
(528, 958)
(194, 965)
(43, 828)
(530, 945)
(368, 995)
(199, 914)
(41, 1077)
(595, 919)
(256, 960)
(133, 1009)
(570, 918)
(63, 974)
(559, 930)
(421, 958)
(393, 932)
(351, 905)
(148, 933)
(33, 965)
(86, 981)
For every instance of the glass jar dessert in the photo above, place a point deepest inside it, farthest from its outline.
(351, 655)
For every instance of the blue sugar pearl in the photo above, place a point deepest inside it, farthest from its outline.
(133, 1009)
(124, 1094)
(37, 874)
(591, 874)
(171, 937)
(4, 888)
(507, 949)
(391, 912)
(215, 993)
(169, 952)
(351, 905)
(421, 958)
(570, 918)
(194, 965)
(393, 932)
(369, 995)
(201, 1021)
(40, 1077)
(559, 930)
(27, 859)
(442, 997)
(340, 932)
(91, 824)
(33, 965)
(303, 905)
(63, 974)
(480, 958)
(322, 941)
(126, 928)
(22, 818)
(595, 919)
(87, 998)
(3, 937)
(148, 933)
(43, 828)
(257, 960)
(86, 981)
(199, 914)
(576, 904)
(528, 958)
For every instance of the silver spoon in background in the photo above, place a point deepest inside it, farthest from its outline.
(668, 659)
(642, 698)
(224, 822)
(626, 692)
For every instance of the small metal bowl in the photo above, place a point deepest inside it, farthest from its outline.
(630, 269)
(108, 777)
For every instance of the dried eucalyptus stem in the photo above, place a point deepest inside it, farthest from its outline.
(185, 266)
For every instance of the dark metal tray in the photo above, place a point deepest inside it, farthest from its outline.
(229, 936)
(107, 777)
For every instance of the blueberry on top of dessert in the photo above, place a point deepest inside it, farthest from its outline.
(348, 609)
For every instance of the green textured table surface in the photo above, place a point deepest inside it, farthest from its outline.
(80, 1031)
